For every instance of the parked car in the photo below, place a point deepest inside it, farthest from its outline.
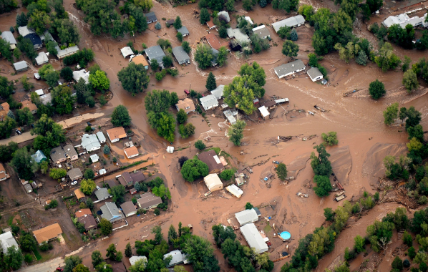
(18, 131)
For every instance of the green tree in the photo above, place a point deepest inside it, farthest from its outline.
(111, 252)
(118, 193)
(247, 5)
(413, 117)
(386, 59)
(89, 173)
(186, 130)
(26, 46)
(204, 16)
(128, 250)
(407, 239)
(329, 214)
(236, 132)
(172, 235)
(24, 117)
(96, 258)
(348, 52)
(201, 254)
(57, 173)
(330, 138)
(82, 91)
(166, 126)
(23, 164)
(158, 101)
(177, 23)
(87, 186)
(211, 82)
(71, 262)
(397, 263)
(106, 150)
(134, 78)
(248, 206)
(81, 268)
(361, 58)
(406, 63)
(411, 252)
(167, 61)
(120, 117)
(390, 114)
(157, 231)
(193, 169)
(200, 145)
(204, 56)
(39, 21)
(227, 174)
(290, 49)
(13, 258)
(155, 66)
(146, 5)
(376, 89)
(323, 187)
(410, 81)
(181, 116)
(21, 19)
(99, 80)
(68, 32)
(281, 171)
(161, 191)
(51, 47)
(284, 32)
(321, 165)
(106, 226)
(222, 56)
(17, 53)
(67, 74)
(179, 36)
(186, 47)
(293, 35)
(62, 99)
(359, 244)
(240, 94)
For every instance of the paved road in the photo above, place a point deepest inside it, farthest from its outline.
(26, 136)
(48, 266)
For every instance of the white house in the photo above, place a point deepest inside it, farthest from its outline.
(209, 102)
(246, 216)
(213, 182)
(254, 238)
(90, 142)
(315, 74)
(289, 22)
(289, 68)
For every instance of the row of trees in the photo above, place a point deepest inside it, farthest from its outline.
(322, 170)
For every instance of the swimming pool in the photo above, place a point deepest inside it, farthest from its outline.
(285, 235)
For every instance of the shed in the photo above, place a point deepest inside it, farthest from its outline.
(101, 137)
(81, 74)
(177, 258)
(70, 152)
(126, 51)
(39, 156)
(102, 194)
(209, 102)
(151, 17)
(8, 36)
(88, 221)
(213, 182)
(186, 104)
(254, 238)
(131, 152)
(79, 194)
(184, 31)
(128, 208)
(115, 134)
(75, 174)
(246, 216)
(47, 233)
(111, 212)
(20, 66)
(212, 160)
(42, 58)
(90, 142)
(315, 74)
(140, 59)
(230, 116)
(94, 158)
(7, 240)
(135, 259)
(180, 55)
(155, 52)
(58, 155)
(218, 92)
(235, 190)
(148, 201)
(264, 112)
(289, 68)
(170, 149)
(39, 92)
(28, 188)
(262, 31)
(62, 53)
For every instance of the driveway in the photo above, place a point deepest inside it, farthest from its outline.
(26, 136)
(48, 266)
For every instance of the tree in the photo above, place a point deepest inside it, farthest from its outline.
(134, 78)
(222, 56)
(186, 47)
(62, 99)
(397, 263)
(21, 19)
(407, 239)
(120, 117)
(81, 268)
(161, 191)
(200, 145)
(23, 164)
(348, 52)
(361, 58)
(200, 254)
(111, 252)
(413, 117)
(284, 32)
(99, 80)
(106, 226)
(128, 250)
(390, 114)
(71, 262)
(67, 74)
(87, 186)
(329, 214)
(293, 35)
(181, 116)
(376, 89)
(235, 132)
(17, 53)
(247, 5)
(57, 173)
(359, 244)
(179, 36)
(204, 16)
(106, 150)
(177, 23)
(227, 174)
(24, 117)
(166, 127)
(82, 91)
(39, 21)
(89, 173)
(172, 235)
(330, 138)
(68, 32)
(240, 94)
(321, 165)
(386, 59)
(118, 193)
(13, 258)
(281, 171)
(158, 101)
(411, 252)
(96, 258)
(410, 81)
(186, 130)
(193, 169)
(6, 87)
(290, 49)
(211, 83)
(26, 46)
(323, 187)
(157, 231)
(204, 56)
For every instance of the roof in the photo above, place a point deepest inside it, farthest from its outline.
(110, 211)
(24, 31)
(74, 173)
(81, 74)
(2, 167)
(7, 240)
(47, 233)
(290, 67)
(102, 193)
(235, 190)
(61, 53)
(210, 23)
(177, 257)
(148, 199)
(246, 216)
(28, 104)
(257, 211)
(128, 207)
(290, 22)
(20, 65)
(254, 238)
(248, 19)
(151, 16)
(79, 194)
(94, 157)
(46, 98)
(90, 141)
(38, 156)
(82, 212)
(213, 182)
(111, 182)
(57, 154)
(34, 38)
(211, 159)
(269, 103)
(137, 176)
(126, 51)
(264, 112)
(69, 150)
(125, 179)
(314, 72)
(214, 42)
(100, 136)
(155, 52)
(118, 267)
(116, 133)
(183, 30)
(238, 35)
(262, 31)
(225, 14)
(8, 36)
(39, 92)
(134, 259)
(88, 221)
(42, 58)
(209, 101)
(140, 59)
(218, 92)
(131, 151)
(180, 55)
(186, 104)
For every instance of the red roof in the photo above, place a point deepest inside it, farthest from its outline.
(215, 42)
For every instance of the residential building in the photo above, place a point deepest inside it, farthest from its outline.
(111, 183)
(403, 19)
(262, 31)
(75, 174)
(58, 155)
(20, 66)
(184, 31)
(214, 42)
(151, 17)
(254, 238)
(213, 182)
(131, 152)
(148, 201)
(180, 55)
(238, 35)
(82, 212)
(246, 216)
(140, 59)
(155, 52)
(35, 39)
(289, 68)
(315, 74)
(90, 142)
(7, 240)
(294, 21)
(137, 176)
(230, 116)
(81, 74)
(62, 53)
(94, 158)
(28, 188)
(111, 212)
(177, 258)
(3, 174)
(134, 259)
(186, 104)
(79, 194)
(128, 208)
(4, 110)
(8, 36)
(209, 102)
(115, 134)
(70, 152)
(126, 51)
(47, 233)
(30, 105)
(264, 112)
(46, 99)
(102, 194)
(223, 15)
(126, 180)
(39, 156)
(119, 267)
(212, 160)
(235, 190)
(218, 92)
(88, 221)
(101, 137)
(42, 58)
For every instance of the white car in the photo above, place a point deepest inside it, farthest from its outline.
(74, 182)
(311, 113)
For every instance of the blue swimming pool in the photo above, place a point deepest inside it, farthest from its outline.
(285, 235)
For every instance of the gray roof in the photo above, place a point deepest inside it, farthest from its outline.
(20, 65)
(46, 36)
(90, 142)
(61, 53)
(111, 212)
(135, 259)
(261, 31)
(314, 72)
(8, 36)
(254, 238)
(128, 207)
(7, 240)
(100, 136)
(102, 193)
(177, 257)
(151, 17)
(183, 30)
(46, 98)
(238, 35)
(290, 67)
(81, 74)
(209, 101)
(42, 58)
(225, 14)
(290, 22)
(155, 52)
(148, 199)
(24, 31)
(57, 154)
(180, 55)
(218, 92)
(69, 150)
(75, 173)
(38, 156)
(246, 216)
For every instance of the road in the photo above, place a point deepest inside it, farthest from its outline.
(26, 136)
(48, 266)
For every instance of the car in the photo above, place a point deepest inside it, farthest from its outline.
(311, 113)
(18, 132)
(59, 269)
(74, 182)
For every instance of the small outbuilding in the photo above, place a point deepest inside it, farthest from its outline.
(213, 182)
(58, 155)
(8, 36)
(264, 112)
(81, 74)
(151, 17)
(131, 152)
(79, 194)
(184, 31)
(20, 66)
(126, 51)
(39, 156)
(88, 221)
(135, 259)
(94, 158)
(235, 190)
(246, 216)
(315, 74)
(128, 208)
(42, 58)
(180, 55)
(101, 137)
(262, 31)
(102, 194)
(82, 212)
(218, 92)
(209, 102)
(177, 258)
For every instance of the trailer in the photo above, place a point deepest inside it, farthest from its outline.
(340, 198)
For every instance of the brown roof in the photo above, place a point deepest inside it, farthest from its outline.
(209, 158)
(4, 109)
(140, 60)
(47, 233)
(28, 104)
(148, 200)
(269, 103)
(186, 104)
(126, 179)
(131, 151)
(88, 221)
(111, 182)
(128, 207)
(116, 133)
(137, 177)
(210, 23)
(215, 42)
(79, 194)
(82, 212)
(2, 167)
(118, 267)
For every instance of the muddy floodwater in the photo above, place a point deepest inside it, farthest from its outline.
(364, 140)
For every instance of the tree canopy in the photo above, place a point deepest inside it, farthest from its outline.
(193, 169)
(120, 117)
(376, 89)
(204, 56)
(236, 132)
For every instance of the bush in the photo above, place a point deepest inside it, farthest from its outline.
(28, 258)
(330, 138)
(157, 211)
(248, 206)
(376, 89)
(329, 214)
(227, 174)
(89, 174)
(106, 150)
(406, 263)
(45, 247)
(397, 263)
(83, 57)
(200, 145)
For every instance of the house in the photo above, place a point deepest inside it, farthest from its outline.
(235, 190)
(246, 216)
(155, 52)
(137, 176)
(184, 31)
(212, 160)
(47, 233)
(315, 74)
(140, 59)
(214, 42)
(111, 183)
(111, 212)
(262, 31)
(101, 137)
(128, 208)
(88, 221)
(46, 98)
(270, 104)
(289, 68)
(20, 66)
(131, 152)
(126, 51)
(38, 157)
(177, 258)
(209, 102)
(180, 55)
(213, 182)
(28, 188)
(102, 194)
(39, 92)
(115, 134)
(294, 21)
(223, 15)
(403, 19)
(118, 267)
(264, 112)
(81, 74)
(70, 152)
(186, 104)
(75, 174)
(230, 116)
(210, 24)
(238, 35)
(42, 58)
(82, 212)
(30, 105)
(58, 155)
(62, 53)
(35, 39)
(126, 180)
(254, 238)
(8, 37)
(90, 142)
(151, 17)
(7, 240)
(3, 174)
(135, 259)
(79, 194)
(4, 110)
(148, 201)
(218, 92)
(94, 158)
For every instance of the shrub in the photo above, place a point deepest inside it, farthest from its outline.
(406, 263)
(397, 263)
(248, 206)
(200, 145)
(330, 138)
(227, 174)
(157, 211)
(329, 214)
